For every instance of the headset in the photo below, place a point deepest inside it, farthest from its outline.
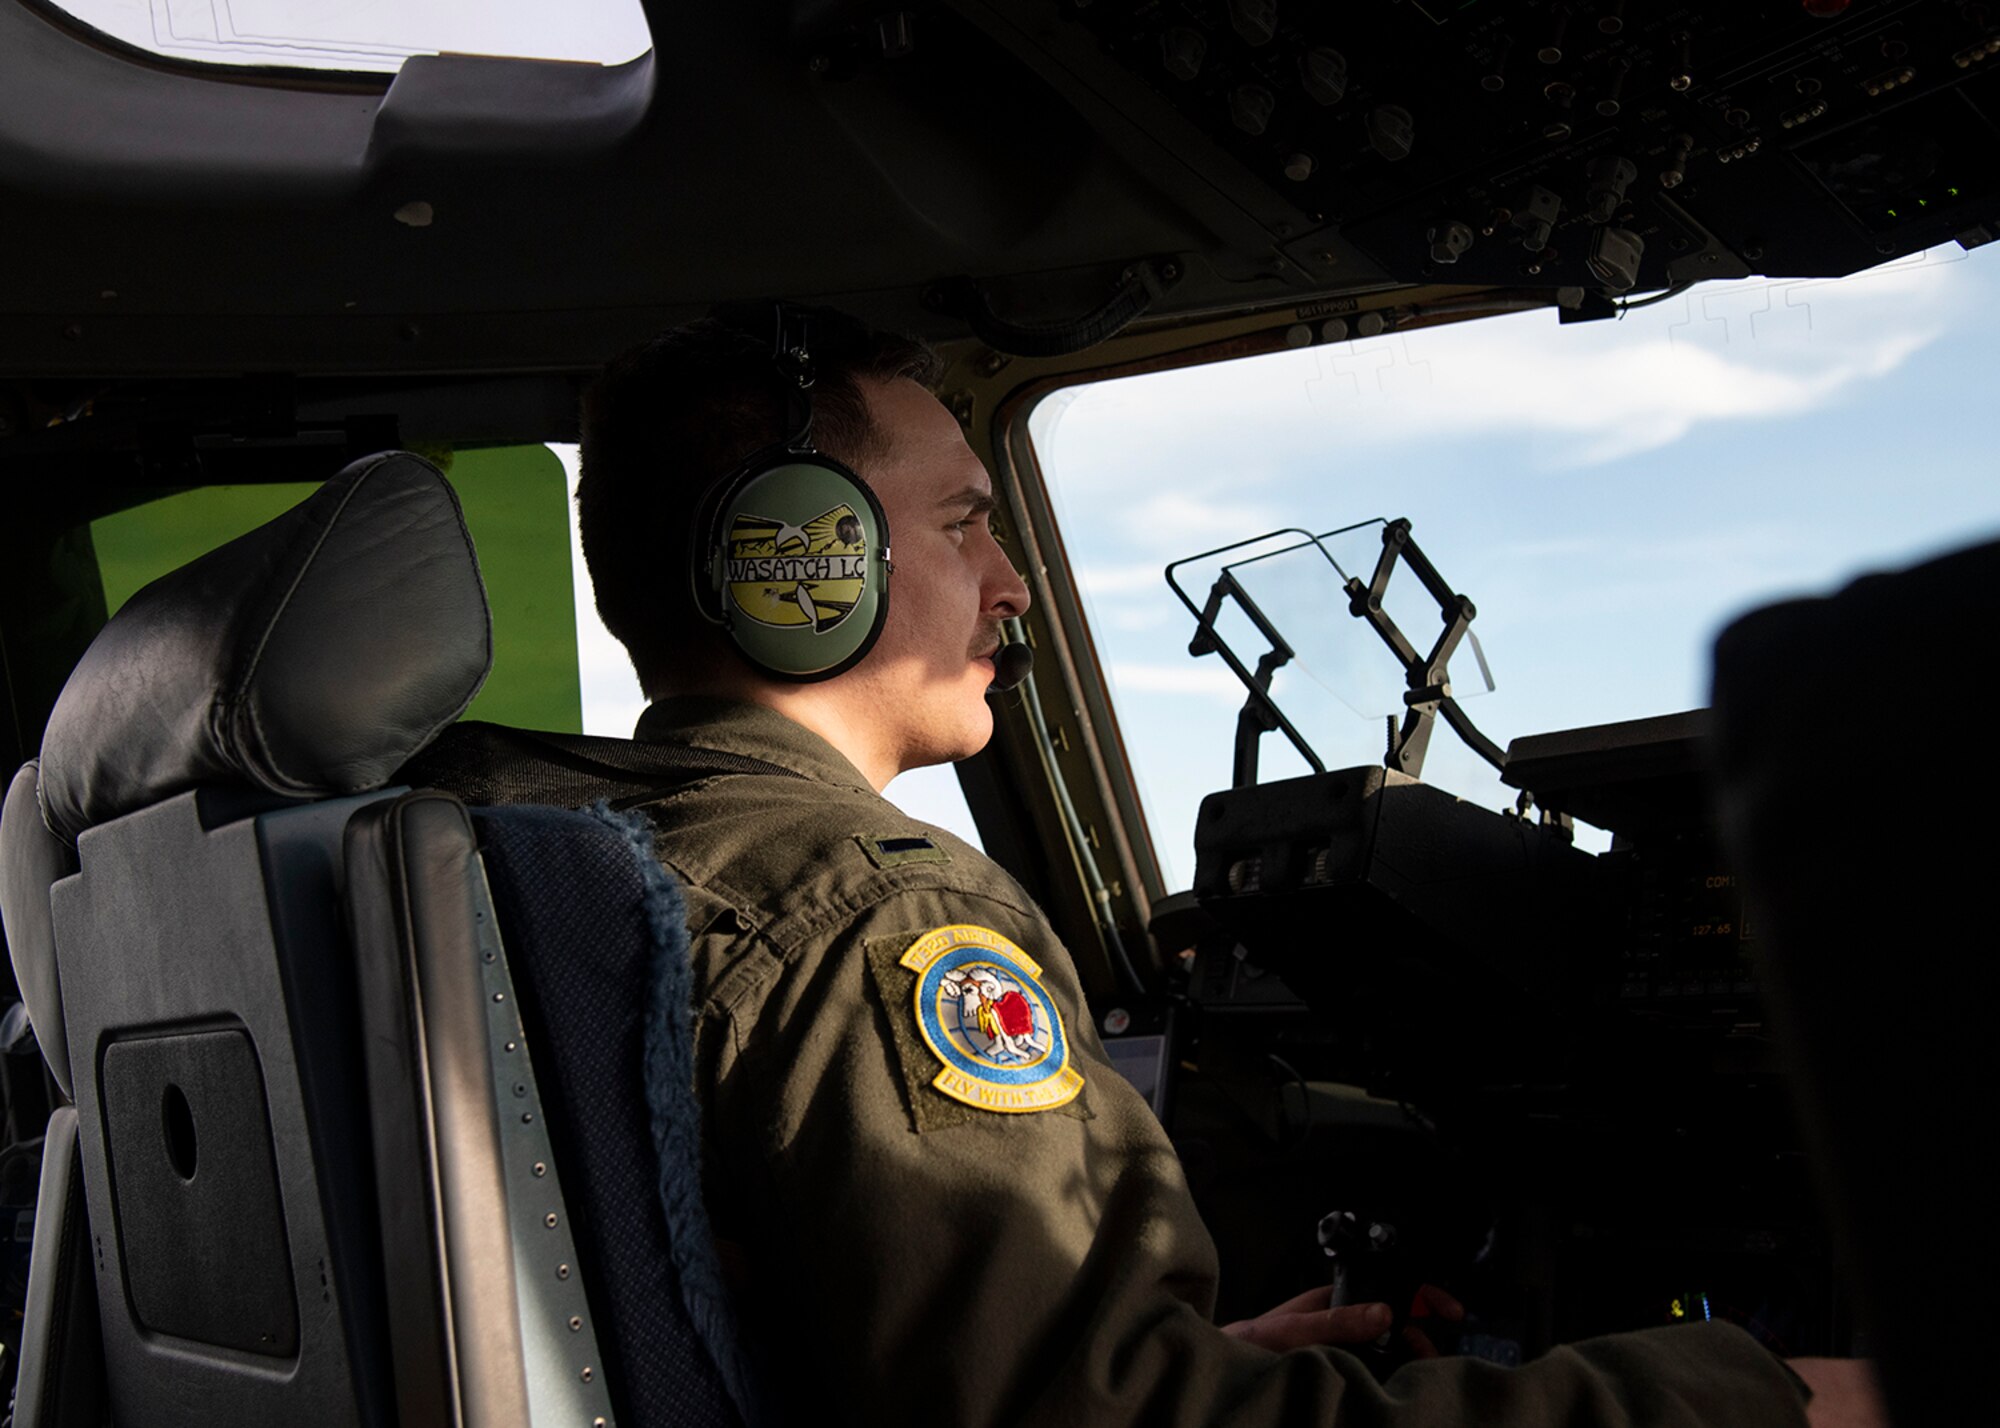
(791, 555)
(791, 551)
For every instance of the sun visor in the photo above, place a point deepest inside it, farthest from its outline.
(310, 657)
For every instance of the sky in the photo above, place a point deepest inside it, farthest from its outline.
(1608, 494)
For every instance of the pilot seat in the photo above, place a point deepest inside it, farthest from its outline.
(382, 1105)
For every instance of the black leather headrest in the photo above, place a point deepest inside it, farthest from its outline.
(311, 657)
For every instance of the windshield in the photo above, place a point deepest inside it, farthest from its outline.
(1607, 494)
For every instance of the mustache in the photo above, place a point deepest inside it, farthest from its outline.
(988, 641)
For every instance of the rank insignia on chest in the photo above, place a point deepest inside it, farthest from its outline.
(984, 1014)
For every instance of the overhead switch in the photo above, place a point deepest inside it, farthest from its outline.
(1611, 101)
(1255, 20)
(1250, 107)
(1323, 73)
(1535, 217)
(1607, 179)
(1182, 49)
(1614, 258)
(1551, 51)
(1391, 131)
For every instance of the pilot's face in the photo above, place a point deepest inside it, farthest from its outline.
(927, 676)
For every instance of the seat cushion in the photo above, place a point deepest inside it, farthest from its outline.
(598, 946)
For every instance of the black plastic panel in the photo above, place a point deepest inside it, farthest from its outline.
(168, 932)
(195, 1186)
(1433, 134)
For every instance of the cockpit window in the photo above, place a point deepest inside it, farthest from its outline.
(369, 37)
(1607, 494)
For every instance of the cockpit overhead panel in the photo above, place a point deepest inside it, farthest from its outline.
(1595, 143)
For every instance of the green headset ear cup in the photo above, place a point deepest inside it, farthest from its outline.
(800, 561)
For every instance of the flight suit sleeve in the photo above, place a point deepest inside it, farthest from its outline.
(922, 1259)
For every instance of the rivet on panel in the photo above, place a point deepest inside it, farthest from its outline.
(562, 1271)
(550, 1219)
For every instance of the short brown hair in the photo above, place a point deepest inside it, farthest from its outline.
(669, 419)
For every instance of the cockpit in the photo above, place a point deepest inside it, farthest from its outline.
(1388, 411)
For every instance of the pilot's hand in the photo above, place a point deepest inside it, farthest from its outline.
(1305, 1320)
(1844, 1394)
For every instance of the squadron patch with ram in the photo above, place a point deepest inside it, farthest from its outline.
(983, 1013)
(811, 574)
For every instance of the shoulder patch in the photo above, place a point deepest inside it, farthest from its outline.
(982, 1011)
(906, 848)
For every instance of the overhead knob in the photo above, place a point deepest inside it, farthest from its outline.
(1299, 166)
(1391, 131)
(1323, 73)
(1449, 241)
(1614, 258)
(1255, 20)
(1250, 107)
(1182, 49)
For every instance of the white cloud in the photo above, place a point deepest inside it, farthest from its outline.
(1179, 520)
(1138, 579)
(1211, 681)
(1584, 394)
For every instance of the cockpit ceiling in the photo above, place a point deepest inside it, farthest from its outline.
(488, 215)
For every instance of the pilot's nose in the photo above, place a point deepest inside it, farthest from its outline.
(1006, 593)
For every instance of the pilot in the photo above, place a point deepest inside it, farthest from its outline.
(946, 1217)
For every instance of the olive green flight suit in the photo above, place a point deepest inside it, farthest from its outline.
(916, 1260)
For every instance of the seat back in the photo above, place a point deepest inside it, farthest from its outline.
(1859, 810)
(214, 1045)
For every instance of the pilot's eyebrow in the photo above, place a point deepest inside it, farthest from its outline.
(976, 501)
